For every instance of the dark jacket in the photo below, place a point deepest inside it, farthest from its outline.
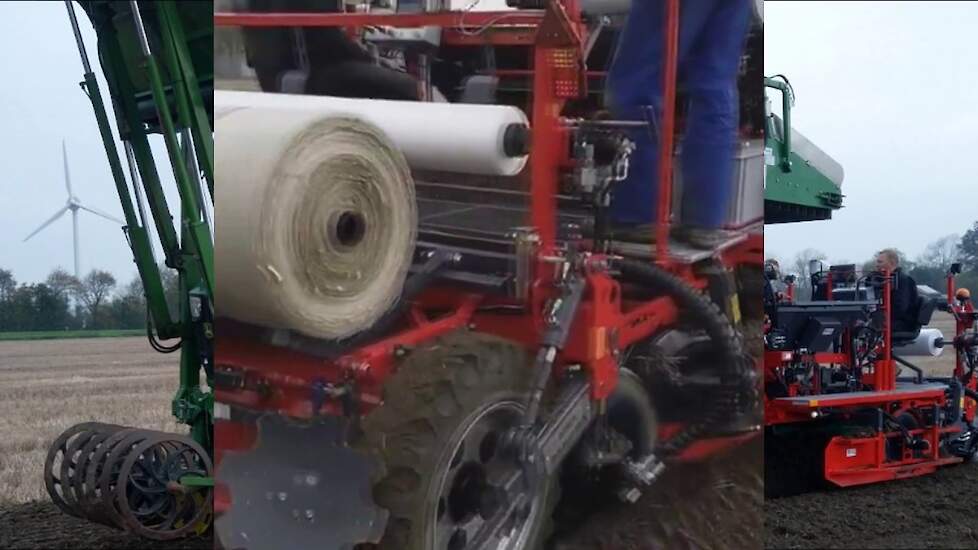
(338, 65)
(904, 303)
(770, 301)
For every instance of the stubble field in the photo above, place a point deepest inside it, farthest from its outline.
(47, 386)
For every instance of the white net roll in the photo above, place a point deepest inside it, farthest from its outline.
(929, 343)
(449, 137)
(316, 221)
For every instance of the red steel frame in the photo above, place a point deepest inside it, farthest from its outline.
(861, 460)
(280, 380)
(964, 320)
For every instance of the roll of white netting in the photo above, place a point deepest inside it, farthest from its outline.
(448, 137)
(316, 220)
(929, 343)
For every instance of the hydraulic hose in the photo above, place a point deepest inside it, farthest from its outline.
(153, 341)
(737, 369)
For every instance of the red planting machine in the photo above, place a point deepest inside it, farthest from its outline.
(521, 350)
(837, 409)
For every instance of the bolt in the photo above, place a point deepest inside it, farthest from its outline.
(629, 495)
(175, 488)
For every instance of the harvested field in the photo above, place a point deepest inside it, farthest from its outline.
(47, 386)
(923, 512)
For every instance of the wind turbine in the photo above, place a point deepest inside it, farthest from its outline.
(74, 205)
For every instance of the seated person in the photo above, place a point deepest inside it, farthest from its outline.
(903, 298)
(772, 274)
(338, 65)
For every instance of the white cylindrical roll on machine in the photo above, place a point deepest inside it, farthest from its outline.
(316, 220)
(929, 343)
(450, 137)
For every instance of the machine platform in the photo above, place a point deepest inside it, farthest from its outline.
(457, 221)
(904, 390)
(679, 251)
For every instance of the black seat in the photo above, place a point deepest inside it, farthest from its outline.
(923, 310)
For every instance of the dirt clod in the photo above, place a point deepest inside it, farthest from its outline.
(42, 525)
(713, 505)
(932, 511)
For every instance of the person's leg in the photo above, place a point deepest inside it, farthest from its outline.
(634, 92)
(709, 75)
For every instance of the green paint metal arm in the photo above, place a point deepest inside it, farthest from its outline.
(132, 130)
(203, 248)
(138, 237)
(197, 481)
(786, 119)
(178, 60)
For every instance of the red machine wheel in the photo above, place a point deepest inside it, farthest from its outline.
(436, 433)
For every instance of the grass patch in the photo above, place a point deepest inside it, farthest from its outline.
(59, 334)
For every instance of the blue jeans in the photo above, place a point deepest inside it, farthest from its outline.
(711, 41)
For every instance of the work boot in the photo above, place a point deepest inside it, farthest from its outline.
(701, 237)
(640, 233)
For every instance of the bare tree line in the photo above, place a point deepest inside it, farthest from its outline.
(64, 302)
(929, 268)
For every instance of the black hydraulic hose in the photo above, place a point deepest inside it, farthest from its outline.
(153, 341)
(738, 368)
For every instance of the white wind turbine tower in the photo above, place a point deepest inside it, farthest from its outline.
(74, 205)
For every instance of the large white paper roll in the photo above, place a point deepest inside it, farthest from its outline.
(929, 343)
(316, 221)
(449, 137)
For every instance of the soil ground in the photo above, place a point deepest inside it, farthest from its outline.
(40, 524)
(713, 505)
(932, 511)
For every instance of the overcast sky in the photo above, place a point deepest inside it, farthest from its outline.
(41, 103)
(890, 90)
(887, 89)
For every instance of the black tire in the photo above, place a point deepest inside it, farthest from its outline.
(706, 408)
(428, 403)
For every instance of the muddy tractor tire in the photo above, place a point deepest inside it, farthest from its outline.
(436, 434)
